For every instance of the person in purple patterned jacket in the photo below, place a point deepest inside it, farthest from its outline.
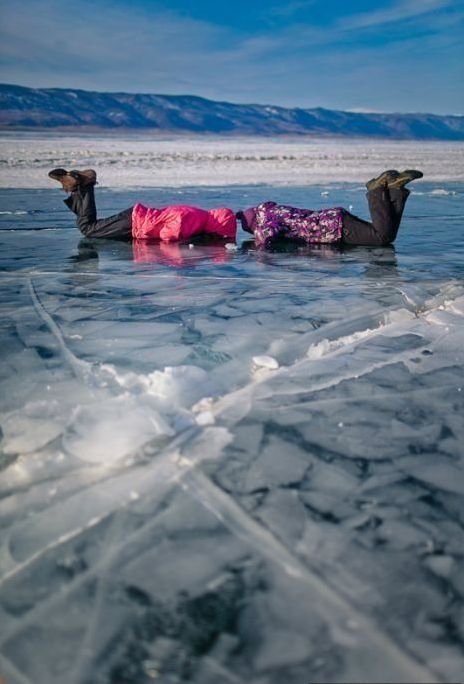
(386, 196)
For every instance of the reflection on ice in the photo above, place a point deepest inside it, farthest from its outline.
(220, 465)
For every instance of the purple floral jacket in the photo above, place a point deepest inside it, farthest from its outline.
(269, 221)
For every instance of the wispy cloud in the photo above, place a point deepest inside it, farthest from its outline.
(289, 9)
(105, 41)
(399, 11)
(147, 48)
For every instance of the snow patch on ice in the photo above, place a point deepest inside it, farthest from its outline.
(325, 347)
(442, 191)
(267, 362)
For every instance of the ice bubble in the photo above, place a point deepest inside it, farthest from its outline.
(231, 247)
(268, 362)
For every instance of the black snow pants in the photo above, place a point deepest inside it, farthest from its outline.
(386, 207)
(82, 203)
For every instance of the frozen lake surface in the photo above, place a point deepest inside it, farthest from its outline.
(174, 508)
(139, 161)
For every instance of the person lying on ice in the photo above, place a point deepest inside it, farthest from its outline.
(386, 197)
(174, 223)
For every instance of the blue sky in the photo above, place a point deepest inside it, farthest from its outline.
(389, 55)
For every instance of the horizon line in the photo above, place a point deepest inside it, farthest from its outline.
(239, 104)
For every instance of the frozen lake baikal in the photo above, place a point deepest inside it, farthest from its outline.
(137, 161)
(172, 510)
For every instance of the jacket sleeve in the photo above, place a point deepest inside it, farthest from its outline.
(268, 225)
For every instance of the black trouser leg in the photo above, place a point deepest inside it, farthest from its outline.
(82, 203)
(386, 208)
(398, 197)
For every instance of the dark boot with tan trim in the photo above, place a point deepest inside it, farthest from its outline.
(72, 180)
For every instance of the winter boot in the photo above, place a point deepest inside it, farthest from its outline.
(405, 177)
(72, 180)
(384, 179)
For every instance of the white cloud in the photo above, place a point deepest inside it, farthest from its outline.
(399, 11)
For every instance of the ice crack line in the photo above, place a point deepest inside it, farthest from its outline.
(162, 276)
(80, 368)
(9, 670)
(183, 471)
(113, 492)
(258, 537)
(337, 347)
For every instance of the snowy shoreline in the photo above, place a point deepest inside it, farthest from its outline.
(137, 161)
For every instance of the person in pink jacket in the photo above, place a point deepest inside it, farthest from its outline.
(174, 223)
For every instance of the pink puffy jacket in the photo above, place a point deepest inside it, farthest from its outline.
(179, 222)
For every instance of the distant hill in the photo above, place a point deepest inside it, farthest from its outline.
(67, 109)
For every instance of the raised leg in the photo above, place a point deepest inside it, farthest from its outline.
(82, 203)
(386, 207)
(398, 197)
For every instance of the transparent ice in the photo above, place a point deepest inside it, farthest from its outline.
(225, 465)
